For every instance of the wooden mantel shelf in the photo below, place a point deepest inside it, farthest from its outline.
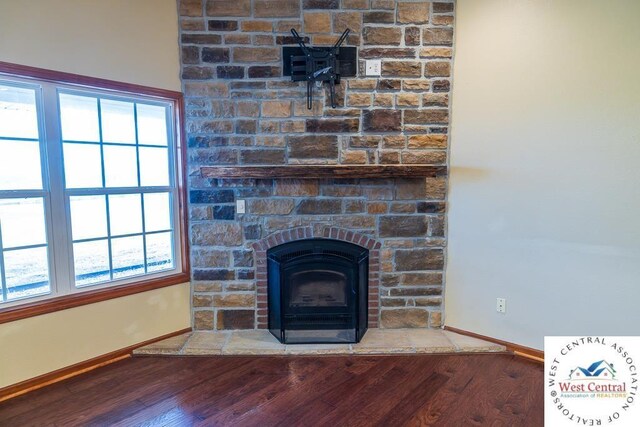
(324, 171)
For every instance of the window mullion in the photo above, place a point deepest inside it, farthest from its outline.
(58, 222)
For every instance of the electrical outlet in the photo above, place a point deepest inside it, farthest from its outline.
(373, 67)
(240, 206)
(501, 305)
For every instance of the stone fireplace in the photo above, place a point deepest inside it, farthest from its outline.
(241, 111)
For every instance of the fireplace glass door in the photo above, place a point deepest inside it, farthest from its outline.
(314, 289)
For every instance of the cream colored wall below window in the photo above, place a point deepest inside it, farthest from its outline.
(42, 344)
(545, 183)
(123, 40)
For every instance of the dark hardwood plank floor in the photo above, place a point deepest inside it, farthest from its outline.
(447, 390)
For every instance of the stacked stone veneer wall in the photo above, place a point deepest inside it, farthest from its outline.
(240, 110)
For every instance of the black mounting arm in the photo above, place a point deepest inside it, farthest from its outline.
(320, 65)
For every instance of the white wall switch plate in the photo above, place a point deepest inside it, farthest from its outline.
(373, 67)
(240, 206)
(501, 305)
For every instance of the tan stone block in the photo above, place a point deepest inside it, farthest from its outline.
(428, 141)
(270, 207)
(404, 318)
(203, 320)
(355, 4)
(383, 4)
(344, 20)
(256, 54)
(296, 187)
(218, 8)
(317, 22)
(435, 319)
(437, 36)
(428, 301)
(237, 39)
(324, 39)
(276, 108)
(383, 100)
(234, 300)
(413, 12)
(354, 157)
(286, 26)
(207, 287)
(366, 84)
(275, 8)
(376, 208)
(416, 85)
(436, 188)
(257, 26)
(435, 100)
(359, 100)
(192, 24)
(211, 258)
(202, 301)
(443, 20)
(394, 141)
(401, 68)
(424, 157)
(437, 69)
(190, 8)
(219, 233)
(436, 52)
(382, 36)
(270, 141)
(248, 109)
(263, 40)
(408, 100)
(292, 126)
(389, 157)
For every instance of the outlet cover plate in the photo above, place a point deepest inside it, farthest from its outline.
(373, 67)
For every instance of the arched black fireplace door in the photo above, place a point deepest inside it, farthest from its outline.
(317, 291)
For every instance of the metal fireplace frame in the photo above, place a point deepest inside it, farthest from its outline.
(347, 259)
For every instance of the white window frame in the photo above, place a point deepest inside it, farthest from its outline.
(56, 198)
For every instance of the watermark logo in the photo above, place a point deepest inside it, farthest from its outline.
(591, 381)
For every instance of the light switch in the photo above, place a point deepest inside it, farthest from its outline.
(373, 67)
(240, 206)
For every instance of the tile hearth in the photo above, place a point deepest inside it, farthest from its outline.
(261, 342)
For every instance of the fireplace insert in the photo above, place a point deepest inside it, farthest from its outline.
(317, 291)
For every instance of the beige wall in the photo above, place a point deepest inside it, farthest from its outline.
(545, 183)
(42, 344)
(123, 40)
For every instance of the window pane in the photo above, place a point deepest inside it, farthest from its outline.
(82, 166)
(152, 125)
(22, 222)
(121, 169)
(127, 256)
(88, 217)
(18, 114)
(91, 261)
(118, 124)
(27, 272)
(125, 214)
(20, 165)
(157, 212)
(79, 118)
(154, 166)
(159, 251)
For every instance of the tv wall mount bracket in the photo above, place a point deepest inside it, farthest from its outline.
(319, 64)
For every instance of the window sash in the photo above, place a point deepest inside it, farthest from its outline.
(56, 198)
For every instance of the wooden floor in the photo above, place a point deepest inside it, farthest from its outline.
(448, 390)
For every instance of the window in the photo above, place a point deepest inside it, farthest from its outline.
(90, 189)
